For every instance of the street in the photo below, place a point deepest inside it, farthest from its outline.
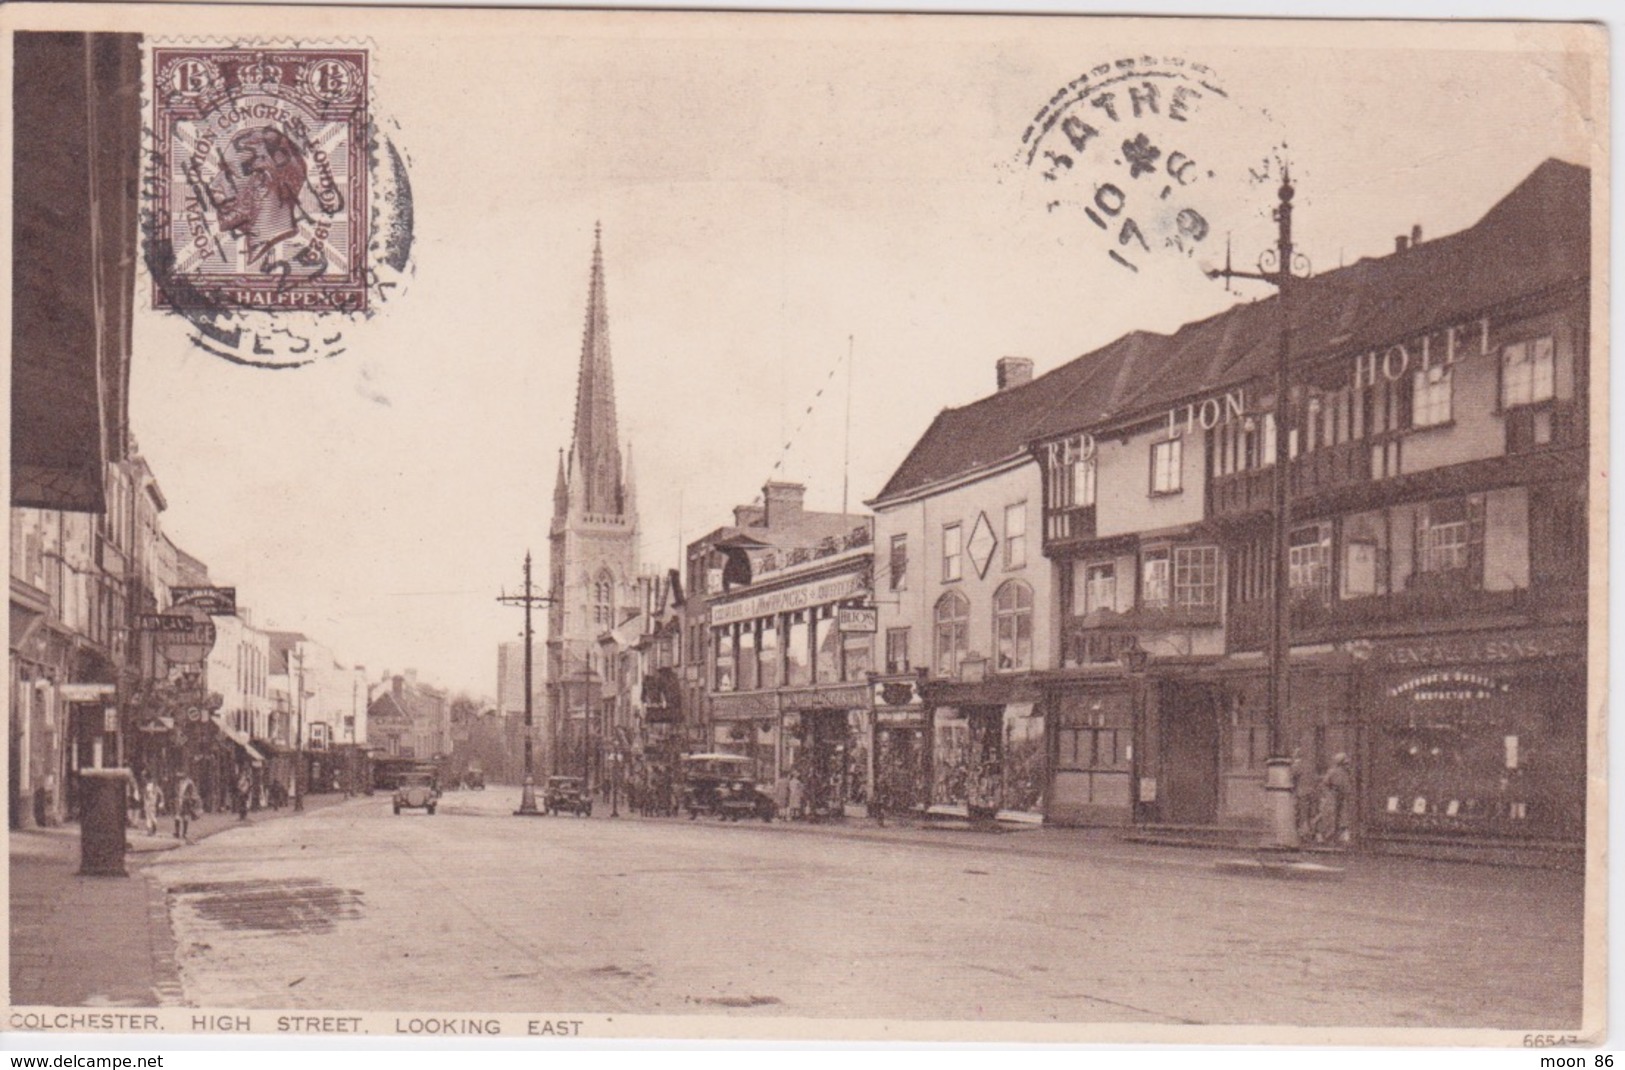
(472, 909)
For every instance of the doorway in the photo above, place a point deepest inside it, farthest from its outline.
(1189, 715)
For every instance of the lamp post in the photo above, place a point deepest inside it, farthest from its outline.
(1279, 267)
(529, 600)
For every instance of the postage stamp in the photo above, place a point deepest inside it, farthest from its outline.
(264, 191)
(273, 203)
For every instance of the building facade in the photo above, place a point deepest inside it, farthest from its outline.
(1437, 556)
(965, 614)
(787, 663)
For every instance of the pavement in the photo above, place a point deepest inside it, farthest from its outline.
(469, 910)
(101, 941)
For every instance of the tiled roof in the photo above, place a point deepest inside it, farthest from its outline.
(1536, 238)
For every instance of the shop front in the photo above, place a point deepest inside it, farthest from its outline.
(747, 724)
(826, 744)
(1092, 766)
(988, 749)
(900, 745)
(1478, 736)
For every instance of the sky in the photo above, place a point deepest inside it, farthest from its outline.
(822, 212)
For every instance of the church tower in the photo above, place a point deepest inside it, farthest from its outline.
(592, 543)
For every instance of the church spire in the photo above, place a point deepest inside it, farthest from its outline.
(561, 490)
(595, 448)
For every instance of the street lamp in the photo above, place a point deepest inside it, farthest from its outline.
(1280, 267)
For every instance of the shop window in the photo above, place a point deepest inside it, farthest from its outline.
(747, 656)
(953, 552)
(1196, 577)
(1013, 626)
(1167, 466)
(1015, 535)
(827, 645)
(897, 650)
(722, 659)
(952, 636)
(1528, 372)
(1431, 396)
(797, 650)
(857, 656)
(1155, 567)
(1097, 736)
(898, 563)
(1309, 560)
(767, 655)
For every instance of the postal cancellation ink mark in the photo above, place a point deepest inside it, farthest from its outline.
(1134, 152)
(276, 214)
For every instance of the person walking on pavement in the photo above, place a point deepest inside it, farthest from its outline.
(795, 796)
(187, 804)
(1335, 787)
(1302, 798)
(244, 785)
(152, 802)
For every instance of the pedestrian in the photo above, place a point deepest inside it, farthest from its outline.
(152, 802)
(245, 784)
(1335, 788)
(1302, 798)
(794, 799)
(187, 806)
(781, 797)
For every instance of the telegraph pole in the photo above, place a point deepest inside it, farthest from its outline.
(299, 733)
(1281, 267)
(529, 599)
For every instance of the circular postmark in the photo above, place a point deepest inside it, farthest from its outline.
(276, 214)
(1136, 155)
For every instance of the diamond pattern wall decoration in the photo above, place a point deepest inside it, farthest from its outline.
(981, 545)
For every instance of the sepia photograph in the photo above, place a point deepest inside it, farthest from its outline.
(670, 525)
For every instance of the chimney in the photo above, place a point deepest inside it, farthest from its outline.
(783, 502)
(395, 684)
(749, 516)
(1416, 235)
(1014, 371)
(1399, 243)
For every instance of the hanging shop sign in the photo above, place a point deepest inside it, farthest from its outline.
(861, 620)
(185, 633)
(216, 601)
(788, 599)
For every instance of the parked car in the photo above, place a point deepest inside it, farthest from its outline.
(724, 785)
(474, 780)
(566, 794)
(416, 791)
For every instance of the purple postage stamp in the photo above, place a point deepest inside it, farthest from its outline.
(260, 192)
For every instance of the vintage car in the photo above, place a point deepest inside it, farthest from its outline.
(566, 794)
(474, 780)
(416, 791)
(724, 785)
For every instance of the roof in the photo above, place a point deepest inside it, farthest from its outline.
(1536, 238)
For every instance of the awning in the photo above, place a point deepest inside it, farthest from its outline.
(241, 740)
